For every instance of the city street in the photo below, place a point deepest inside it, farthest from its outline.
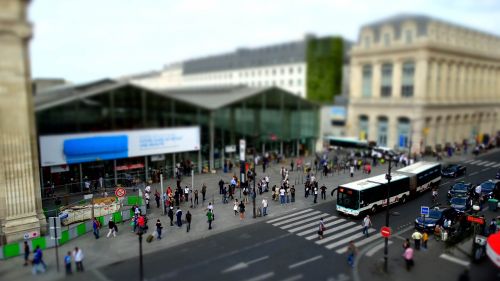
(286, 247)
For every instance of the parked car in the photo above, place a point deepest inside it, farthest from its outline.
(436, 217)
(460, 189)
(462, 204)
(489, 187)
(453, 171)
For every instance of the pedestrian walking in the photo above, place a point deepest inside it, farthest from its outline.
(95, 226)
(264, 207)
(282, 195)
(26, 253)
(210, 218)
(178, 215)
(235, 207)
(242, 210)
(171, 215)
(416, 236)
(351, 170)
(408, 257)
(157, 198)
(321, 229)
(292, 192)
(196, 196)
(188, 220)
(78, 258)
(146, 196)
(203, 191)
(38, 264)
(352, 252)
(315, 194)
(112, 228)
(186, 193)
(67, 263)
(159, 228)
(367, 223)
(425, 238)
(323, 192)
(221, 186)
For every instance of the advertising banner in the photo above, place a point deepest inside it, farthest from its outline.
(89, 147)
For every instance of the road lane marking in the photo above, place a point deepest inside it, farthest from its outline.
(485, 169)
(490, 164)
(305, 220)
(261, 277)
(288, 216)
(472, 174)
(296, 218)
(311, 224)
(497, 165)
(373, 250)
(360, 243)
(242, 265)
(481, 163)
(468, 161)
(327, 231)
(305, 261)
(317, 228)
(455, 260)
(477, 161)
(347, 239)
(333, 237)
(294, 278)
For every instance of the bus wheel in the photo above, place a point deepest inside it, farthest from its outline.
(374, 209)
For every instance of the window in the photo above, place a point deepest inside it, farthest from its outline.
(274, 71)
(291, 70)
(367, 81)
(408, 37)
(363, 127)
(407, 83)
(299, 69)
(403, 136)
(382, 128)
(386, 87)
(387, 40)
(290, 82)
(299, 82)
(282, 70)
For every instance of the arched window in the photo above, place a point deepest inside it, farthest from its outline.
(408, 77)
(363, 127)
(367, 80)
(382, 130)
(404, 129)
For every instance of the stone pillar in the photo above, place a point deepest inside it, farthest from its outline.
(377, 79)
(20, 193)
(397, 75)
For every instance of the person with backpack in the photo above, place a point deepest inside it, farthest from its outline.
(95, 226)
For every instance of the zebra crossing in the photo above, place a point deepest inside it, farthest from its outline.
(339, 231)
(483, 163)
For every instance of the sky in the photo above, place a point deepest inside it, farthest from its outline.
(85, 40)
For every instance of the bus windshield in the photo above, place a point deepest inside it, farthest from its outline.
(347, 198)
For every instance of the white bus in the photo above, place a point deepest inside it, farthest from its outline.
(369, 195)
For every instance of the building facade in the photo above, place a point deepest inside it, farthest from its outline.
(21, 212)
(421, 83)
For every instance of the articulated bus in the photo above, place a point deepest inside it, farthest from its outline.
(370, 195)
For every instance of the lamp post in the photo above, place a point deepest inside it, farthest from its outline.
(388, 177)
(141, 267)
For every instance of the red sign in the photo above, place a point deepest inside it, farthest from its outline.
(475, 219)
(385, 231)
(120, 192)
(129, 167)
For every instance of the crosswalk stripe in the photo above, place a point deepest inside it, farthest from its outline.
(482, 163)
(477, 161)
(468, 161)
(373, 250)
(497, 165)
(490, 164)
(333, 237)
(331, 230)
(315, 229)
(360, 243)
(296, 218)
(288, 216)
(305, 220)
(347, 239)
(311, 224)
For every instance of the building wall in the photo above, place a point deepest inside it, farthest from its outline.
(456, 82)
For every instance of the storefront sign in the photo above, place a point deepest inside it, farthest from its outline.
(230, 148)
(80, 148)
(160, 157)
(129, 167)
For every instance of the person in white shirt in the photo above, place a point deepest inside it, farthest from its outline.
(282, 196)
(147, 189)
(78, 258)
(186, 193)
(264, 207)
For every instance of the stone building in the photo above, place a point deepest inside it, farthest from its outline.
(20, 199)
(419, 82)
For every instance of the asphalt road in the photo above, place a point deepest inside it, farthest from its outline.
(281, 248)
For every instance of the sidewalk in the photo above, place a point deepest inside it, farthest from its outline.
(105, 251)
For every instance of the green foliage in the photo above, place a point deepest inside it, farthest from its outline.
(324, 68)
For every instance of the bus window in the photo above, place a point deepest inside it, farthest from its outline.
(347, 198)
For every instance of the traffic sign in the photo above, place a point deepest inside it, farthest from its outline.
(475, 219)
(26, 236)
(424, 210)
(55, 228)
(120, 192)
(385, 231)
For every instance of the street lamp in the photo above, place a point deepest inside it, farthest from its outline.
(388, 177)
